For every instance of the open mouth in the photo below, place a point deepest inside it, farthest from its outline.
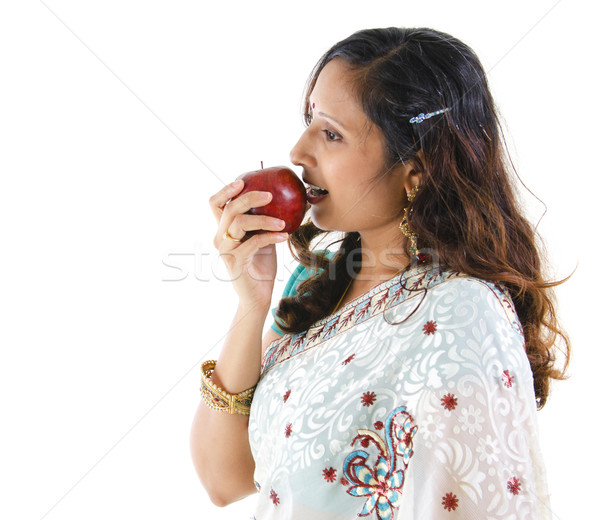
(315, 194)
(315, 190)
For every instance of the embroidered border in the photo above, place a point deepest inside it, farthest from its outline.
(382, 297)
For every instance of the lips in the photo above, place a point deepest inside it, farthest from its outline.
(314, 193)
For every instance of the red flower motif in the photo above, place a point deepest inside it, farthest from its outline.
(329, 474)
(288, 430)
(378, 425)
(368, 398)
(449, 401)
(348, 359)
(286, 396)
(507, 379)
(514, 485)
(364, 443)
(273, 496)
(430, 327)
(450, 502)
(344, 481)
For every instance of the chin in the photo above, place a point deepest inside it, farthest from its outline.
(320, 222)
(328, 225)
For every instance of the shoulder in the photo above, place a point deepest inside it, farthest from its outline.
(473, 299)
(475, 324)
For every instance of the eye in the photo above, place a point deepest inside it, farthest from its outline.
(331, 136)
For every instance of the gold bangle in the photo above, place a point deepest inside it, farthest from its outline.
(220, 400)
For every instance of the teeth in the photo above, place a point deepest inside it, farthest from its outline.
(315, 188)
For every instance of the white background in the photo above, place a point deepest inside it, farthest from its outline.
(119, 119)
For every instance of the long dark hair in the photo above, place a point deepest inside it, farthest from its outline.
(466, 209)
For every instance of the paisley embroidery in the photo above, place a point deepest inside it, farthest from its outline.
(383, 482)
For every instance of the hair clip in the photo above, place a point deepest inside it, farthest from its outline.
(421, 117)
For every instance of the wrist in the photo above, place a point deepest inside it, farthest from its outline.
(253, 309)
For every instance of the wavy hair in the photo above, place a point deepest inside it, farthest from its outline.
(466, 209)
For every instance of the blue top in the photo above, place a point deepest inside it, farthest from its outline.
(299, 275)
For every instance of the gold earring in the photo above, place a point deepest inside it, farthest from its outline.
(409, 233)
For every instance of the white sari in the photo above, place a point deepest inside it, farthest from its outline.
(414, 401)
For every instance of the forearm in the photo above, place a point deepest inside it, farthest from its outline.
(238, 366)
(219, 441)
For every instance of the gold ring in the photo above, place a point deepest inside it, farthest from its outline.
(229, 237)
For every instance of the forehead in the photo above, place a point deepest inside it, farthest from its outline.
(334, 83)
(334, 89)
(334, 94)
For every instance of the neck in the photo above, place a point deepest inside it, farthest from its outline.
(381, 258)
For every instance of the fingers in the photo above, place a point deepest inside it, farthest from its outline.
(245, 202)
(218, 201)
(249, 248)
(222, 205)
(244, 223)
(234, 221)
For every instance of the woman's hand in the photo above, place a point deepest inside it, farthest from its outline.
(252, 263)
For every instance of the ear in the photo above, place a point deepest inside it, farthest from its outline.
(414, 175)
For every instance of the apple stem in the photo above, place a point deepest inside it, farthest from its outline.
(261, 166)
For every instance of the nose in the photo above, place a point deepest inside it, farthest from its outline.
(300, 154)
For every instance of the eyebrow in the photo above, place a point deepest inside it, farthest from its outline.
(323, 114)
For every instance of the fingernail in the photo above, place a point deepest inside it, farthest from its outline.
(267, 195)
(236, 184)
(282, 236)
(280, 224)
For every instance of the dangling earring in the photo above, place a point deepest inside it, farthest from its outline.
(409, 233)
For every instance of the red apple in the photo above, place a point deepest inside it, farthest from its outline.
(289, 201)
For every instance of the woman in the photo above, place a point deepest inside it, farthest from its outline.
(402, 375)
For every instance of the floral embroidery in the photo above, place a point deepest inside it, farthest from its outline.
(507, 379)
(286, 396)
(471, 419)
(430, 327)
(348, 359)
(488, 449)
(329, 474)
(378, 425)
(274, 498)
(514, 485)
(450, 502)
(368, 398)
(432, 428)
(257, 485)
(288, 430)
(382, 484)
(344, 481)
(449, 401)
